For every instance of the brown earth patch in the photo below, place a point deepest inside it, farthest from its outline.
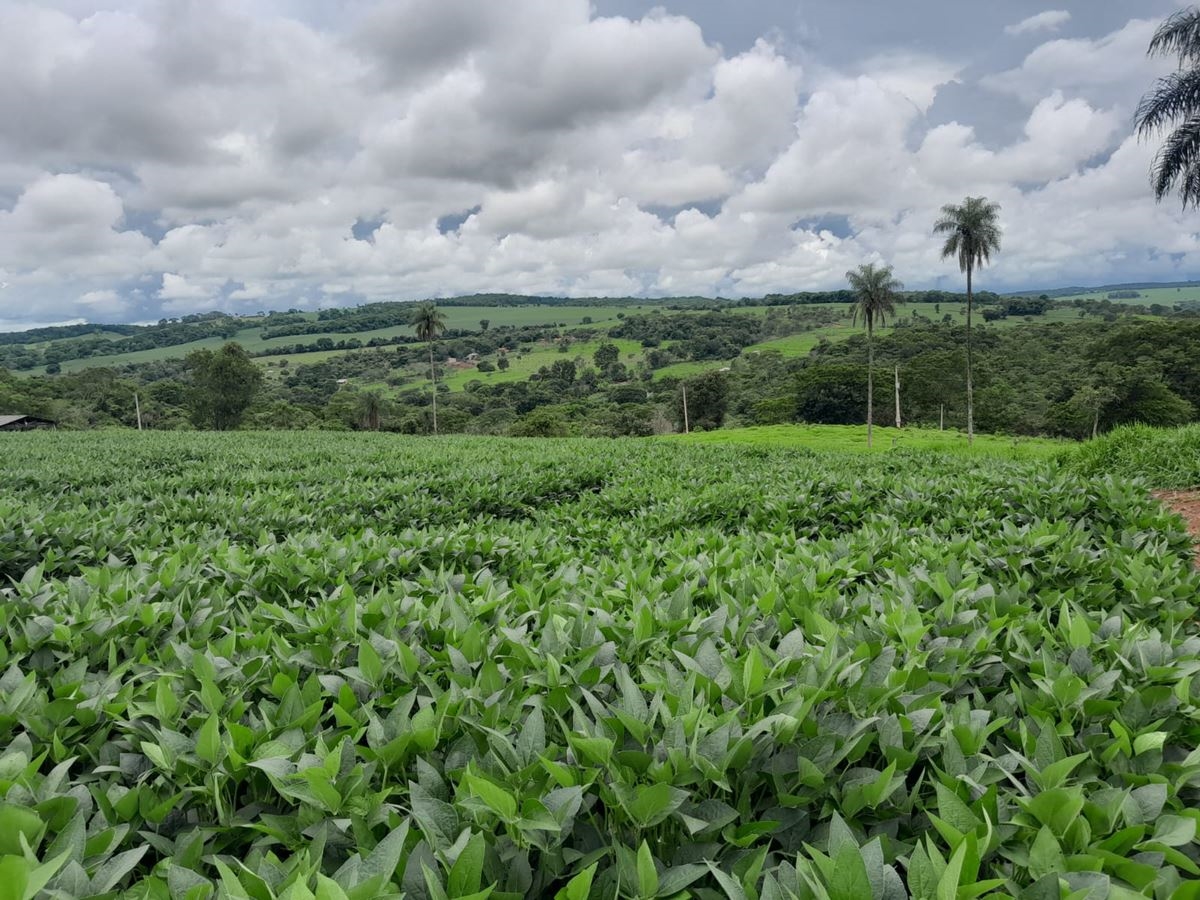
(1187, 504)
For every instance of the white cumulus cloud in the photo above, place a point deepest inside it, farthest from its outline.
(275, 153)
(1050, 20)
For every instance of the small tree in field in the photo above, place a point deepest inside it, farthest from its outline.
(224, 384)
(707, 400)
(371, 410)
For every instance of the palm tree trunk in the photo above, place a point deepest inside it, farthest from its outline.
(433, 379)
(970, 392)
(870, 380)
(897, 396)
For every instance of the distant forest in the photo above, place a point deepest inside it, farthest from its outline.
(1096, 365)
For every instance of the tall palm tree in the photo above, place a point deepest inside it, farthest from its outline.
(875, 295)
(429, 322)
(972, 236)
(1174, 102)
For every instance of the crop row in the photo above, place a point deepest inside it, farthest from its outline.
(324, 666)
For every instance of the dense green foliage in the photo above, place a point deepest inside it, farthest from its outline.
(1018, 306)
(1164, 457)
(1035, 379)
(256, 666)
(707, 399)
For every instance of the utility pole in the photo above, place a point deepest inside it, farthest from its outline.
(683, 384)
(138, 406)
(897, 396)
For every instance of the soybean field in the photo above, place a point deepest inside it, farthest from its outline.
(363, 666)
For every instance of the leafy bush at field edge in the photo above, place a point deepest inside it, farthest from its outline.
(1164, 457)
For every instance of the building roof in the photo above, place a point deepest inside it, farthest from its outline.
(10, 420)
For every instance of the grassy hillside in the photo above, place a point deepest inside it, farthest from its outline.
(1165, 296)
(154, 354)
(467, 318)
(801, 343)
(1076, 291)
(522, 365)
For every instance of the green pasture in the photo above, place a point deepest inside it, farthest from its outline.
(853, 438)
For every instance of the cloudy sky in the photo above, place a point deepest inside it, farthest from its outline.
(159, 157)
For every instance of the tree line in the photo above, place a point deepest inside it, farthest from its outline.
(1060, 378)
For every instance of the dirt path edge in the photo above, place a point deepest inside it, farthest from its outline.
(1187, 504)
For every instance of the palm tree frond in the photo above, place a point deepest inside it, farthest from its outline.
(1175, 96)
(973, 233)
(1174, 101)
(1189, 186)
(428, 322)
(1176, 160)
(1178, 36)
(875, 289)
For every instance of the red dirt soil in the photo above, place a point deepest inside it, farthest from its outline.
(1187, 504)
